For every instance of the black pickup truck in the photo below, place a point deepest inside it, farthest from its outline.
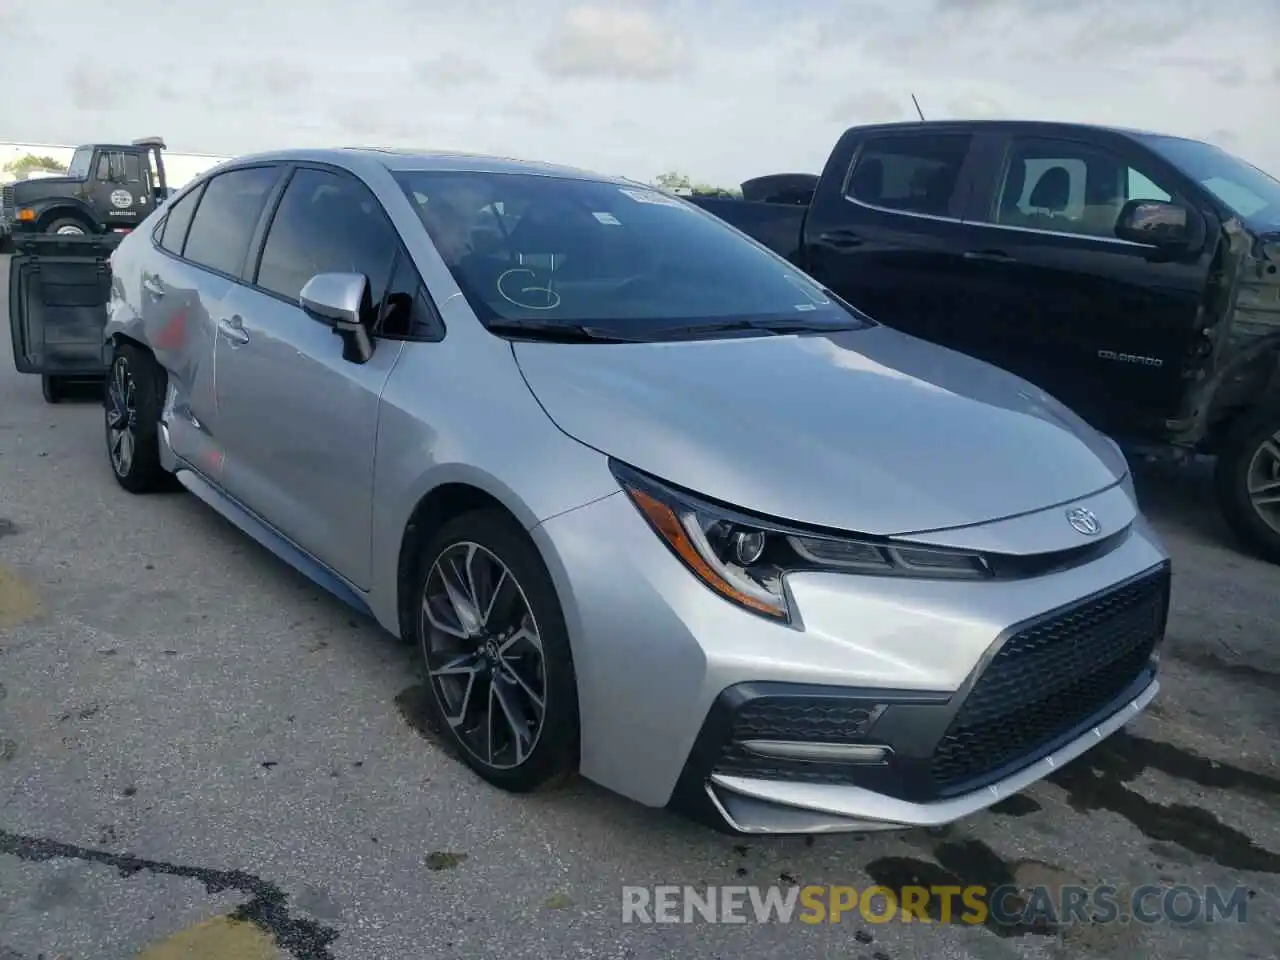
(1134, 276)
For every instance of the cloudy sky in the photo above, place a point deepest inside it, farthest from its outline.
(719, 89)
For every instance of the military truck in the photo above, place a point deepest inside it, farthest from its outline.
(107, 188)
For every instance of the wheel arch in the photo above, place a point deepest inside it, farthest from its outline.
(454, 493)
(68, 210)
(1253, 385)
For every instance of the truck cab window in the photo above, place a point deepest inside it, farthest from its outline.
(81, 163)
(911, 173)
(1064, 186)
(118, 167)
(1140, 188)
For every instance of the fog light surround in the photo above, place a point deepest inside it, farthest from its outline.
(859, 753)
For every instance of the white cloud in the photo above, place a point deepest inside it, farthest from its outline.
(452, 71)
(613, 43)
(721, 89)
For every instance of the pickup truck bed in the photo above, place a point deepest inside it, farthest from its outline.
(777, 225)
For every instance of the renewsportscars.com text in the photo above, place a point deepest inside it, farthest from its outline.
(971, 905)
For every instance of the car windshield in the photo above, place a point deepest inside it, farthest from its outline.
(81, 161)
(542, 250)
(1247, 191)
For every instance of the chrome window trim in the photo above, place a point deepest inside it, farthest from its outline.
(848, 197)
(997, 226)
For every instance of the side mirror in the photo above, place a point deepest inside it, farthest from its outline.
(341, 300)
(1154, 223)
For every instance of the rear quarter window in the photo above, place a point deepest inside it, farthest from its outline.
(173, 234)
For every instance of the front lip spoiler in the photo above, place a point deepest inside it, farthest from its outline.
(755, 806)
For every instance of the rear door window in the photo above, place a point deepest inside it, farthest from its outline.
(911, 172)
(228, 214)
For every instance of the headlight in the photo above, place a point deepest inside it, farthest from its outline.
(745, 559)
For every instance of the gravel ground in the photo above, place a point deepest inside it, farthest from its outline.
(189, 731)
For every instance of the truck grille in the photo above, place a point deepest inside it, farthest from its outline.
(1051, 678)
(7, 204)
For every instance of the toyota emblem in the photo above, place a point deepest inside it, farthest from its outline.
(1083, 521)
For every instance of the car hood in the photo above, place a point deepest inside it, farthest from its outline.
(867, 430)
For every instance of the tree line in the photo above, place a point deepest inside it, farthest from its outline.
(20, 168)
(674, 180)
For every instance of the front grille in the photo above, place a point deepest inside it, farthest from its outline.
(1049, 679)
(7, 203)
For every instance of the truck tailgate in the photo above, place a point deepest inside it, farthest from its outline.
(58, 292)
(776, 225)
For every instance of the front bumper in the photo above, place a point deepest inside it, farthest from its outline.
(750, 805)
(972, 690)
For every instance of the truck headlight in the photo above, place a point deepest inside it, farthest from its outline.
(745, 559)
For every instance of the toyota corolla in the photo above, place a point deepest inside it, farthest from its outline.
(654, 505)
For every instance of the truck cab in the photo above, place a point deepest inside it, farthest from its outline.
(107, 188)
(1134, 276)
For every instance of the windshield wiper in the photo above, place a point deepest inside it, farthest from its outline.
(555, 332)
(768, 326)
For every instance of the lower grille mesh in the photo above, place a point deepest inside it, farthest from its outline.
(1050, 678)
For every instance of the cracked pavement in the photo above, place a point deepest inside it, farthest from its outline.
(201, 754)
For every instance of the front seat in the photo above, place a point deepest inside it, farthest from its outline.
(1051, 195)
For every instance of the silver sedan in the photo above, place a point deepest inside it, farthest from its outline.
(654, 505)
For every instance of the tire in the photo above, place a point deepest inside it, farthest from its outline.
(1248, 467)
(69, 226)
(550, 754)
(135, 382)
(53, 389)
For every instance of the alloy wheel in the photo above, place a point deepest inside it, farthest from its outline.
(70, 231)
(1263, 480)
(484, 655)
(122, 417)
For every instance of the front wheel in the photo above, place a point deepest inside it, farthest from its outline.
(133, 400)
(67, 227)
(1247, 477)
(496, 653)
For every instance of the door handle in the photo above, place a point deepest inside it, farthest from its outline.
(989, 256)
(152, 286)
(841, 239)
(233, 329)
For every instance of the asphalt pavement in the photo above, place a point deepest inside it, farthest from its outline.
(203, 755)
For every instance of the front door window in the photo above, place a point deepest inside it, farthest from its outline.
(1064, 186)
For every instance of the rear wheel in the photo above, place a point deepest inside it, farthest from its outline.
(53, 388)
(496, 653)
(1248, 481)
(134, 397)
(68, 227)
